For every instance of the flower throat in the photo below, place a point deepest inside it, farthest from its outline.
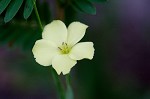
(64, 48)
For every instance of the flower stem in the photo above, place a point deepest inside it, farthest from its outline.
(69, 92)
(37, 15)
(58, 84)
(68, 80)
(54, 74)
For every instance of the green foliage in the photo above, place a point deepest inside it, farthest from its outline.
(19, 33)
(12, 10)
(28, 9)
(13, 6)
(85, 6)
(3, 5)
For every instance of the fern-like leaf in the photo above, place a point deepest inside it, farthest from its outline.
(11, 7)
(3, 5)
(28, 9)
(12, 10)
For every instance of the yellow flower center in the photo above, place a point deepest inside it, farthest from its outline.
(64, 48)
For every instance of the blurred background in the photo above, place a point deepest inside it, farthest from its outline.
(120, 69)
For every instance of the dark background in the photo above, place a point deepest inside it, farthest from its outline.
(120, 68)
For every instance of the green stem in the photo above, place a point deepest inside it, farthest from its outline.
(37, 15)
(68, 79)
(54, 74)
(58, 84)
(69, 92)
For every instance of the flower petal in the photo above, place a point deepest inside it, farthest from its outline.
(44, 51)
(76, 31)
(56, 32)
(82, 50)
(63, 63)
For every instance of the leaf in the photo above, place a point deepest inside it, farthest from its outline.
(98, 0)
(19, 33)
(28, 9)
(12, 10)
(84, 6)
(3, 5)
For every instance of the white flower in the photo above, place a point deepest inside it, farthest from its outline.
(59, 46)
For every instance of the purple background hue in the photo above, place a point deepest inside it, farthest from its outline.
(121, 33)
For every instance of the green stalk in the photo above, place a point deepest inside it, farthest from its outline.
(69, 92)
(37, 15)
(58, 84)
(68, 80)
(54, 74)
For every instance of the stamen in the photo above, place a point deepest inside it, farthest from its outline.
(60, 48)
(62, 43)
(64, 48)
